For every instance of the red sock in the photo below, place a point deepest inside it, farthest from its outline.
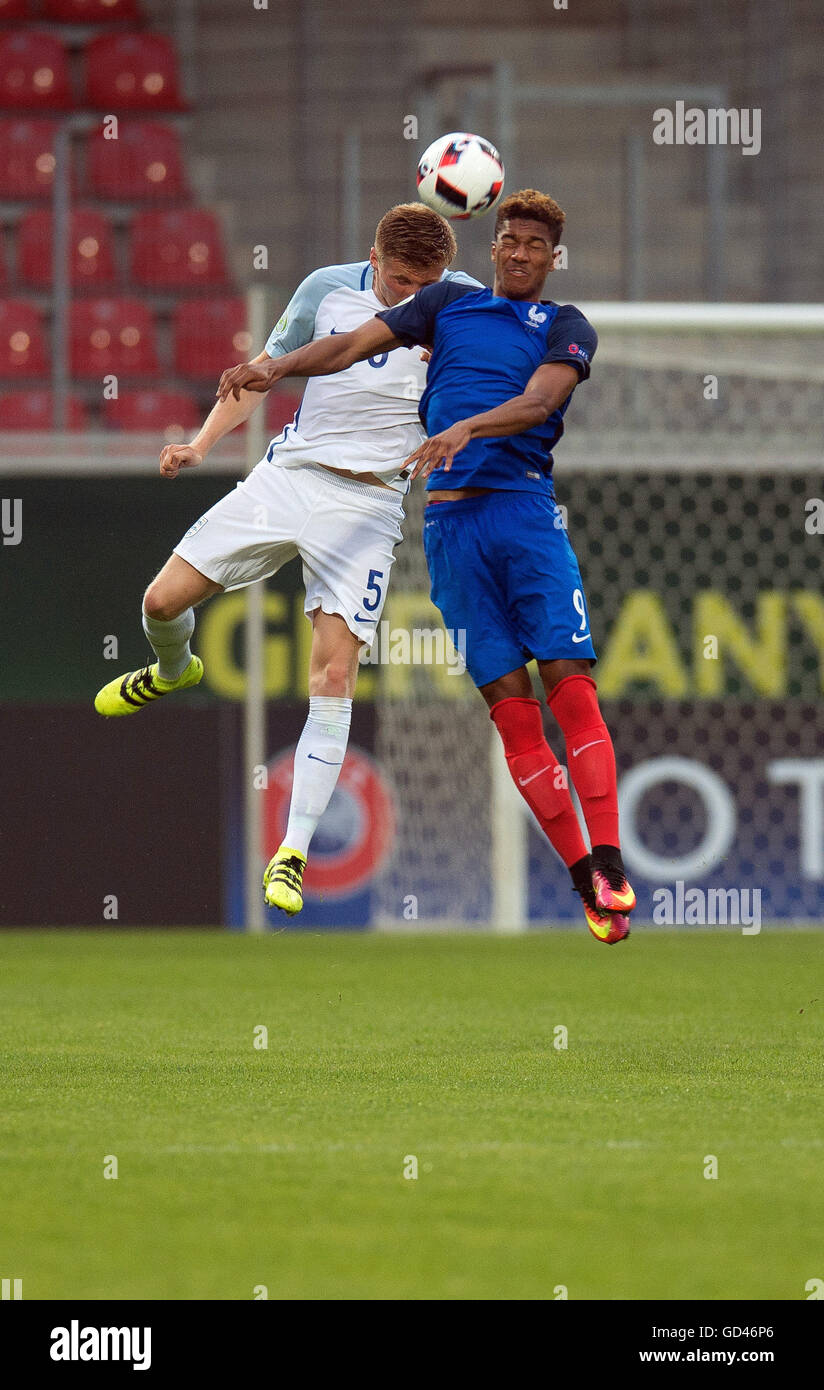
(590, 755)
(534, 770)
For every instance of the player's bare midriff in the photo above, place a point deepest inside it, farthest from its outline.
(358, 477)
(455, 494)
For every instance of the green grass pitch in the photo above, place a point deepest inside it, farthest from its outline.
(538, 1167)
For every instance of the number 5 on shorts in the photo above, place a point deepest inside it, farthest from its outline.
(372, 586)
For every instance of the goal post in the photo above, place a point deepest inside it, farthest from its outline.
(510, 886)
(651, 316)
(254, 714)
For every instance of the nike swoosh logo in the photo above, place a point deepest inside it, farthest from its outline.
(576, 751)
(359, 619)
(524, 781)
(585, 637)
(326, 760)
(331, 331)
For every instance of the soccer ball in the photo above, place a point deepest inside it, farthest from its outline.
(460, 176)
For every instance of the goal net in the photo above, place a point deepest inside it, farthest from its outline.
(691, 481)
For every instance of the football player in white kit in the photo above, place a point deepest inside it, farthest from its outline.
(329, 489)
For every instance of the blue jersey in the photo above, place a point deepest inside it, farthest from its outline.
(484, 350)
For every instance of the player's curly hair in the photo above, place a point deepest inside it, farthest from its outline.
(537, 206)
(417, 236)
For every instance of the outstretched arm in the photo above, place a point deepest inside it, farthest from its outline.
(223, 417)
(322, 358)
(546, 389)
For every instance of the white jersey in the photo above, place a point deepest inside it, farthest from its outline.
(365, 418)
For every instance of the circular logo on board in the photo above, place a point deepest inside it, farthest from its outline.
(355, 833)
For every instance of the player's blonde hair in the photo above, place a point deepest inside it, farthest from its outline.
(538, 207)
(417, 236)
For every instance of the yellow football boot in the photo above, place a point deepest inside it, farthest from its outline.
(283, 880)
(129, 693)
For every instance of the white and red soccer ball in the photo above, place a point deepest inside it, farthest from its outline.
(460, 175)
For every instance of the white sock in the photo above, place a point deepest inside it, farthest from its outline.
(170, 643)
(318, 758)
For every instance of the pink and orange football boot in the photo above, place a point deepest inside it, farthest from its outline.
(608, 927)
(612, 891)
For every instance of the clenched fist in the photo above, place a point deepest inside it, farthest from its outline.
(177, 456)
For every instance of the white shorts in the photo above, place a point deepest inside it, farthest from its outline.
(345, 533)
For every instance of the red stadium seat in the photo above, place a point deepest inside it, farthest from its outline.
(177, 250)
(3, 272)
(14, 9)
(91, 243)
(112, 336)
(210, 335)
(33, 410)
(170, 412)
(34, 71)
(144, 161)
(26, 159)
(132, 71)
(281, 407)
(91, 11)
(22, 344)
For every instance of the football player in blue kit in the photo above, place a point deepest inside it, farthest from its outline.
(503, 368)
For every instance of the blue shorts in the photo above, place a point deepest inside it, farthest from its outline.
(505, 576)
